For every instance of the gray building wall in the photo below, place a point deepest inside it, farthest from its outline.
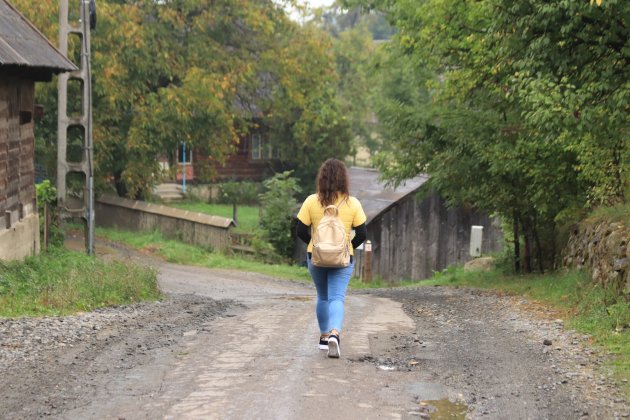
(417, 237)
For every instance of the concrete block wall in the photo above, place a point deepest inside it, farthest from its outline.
(194, 228)
(21, 239)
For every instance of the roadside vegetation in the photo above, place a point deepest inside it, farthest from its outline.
(61, 282)
(179, 253)
(248, 216)
(618, 213)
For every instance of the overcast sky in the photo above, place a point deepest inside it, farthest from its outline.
(318, 3)
(313, 4)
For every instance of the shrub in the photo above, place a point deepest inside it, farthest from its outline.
(48, 214)
(278, 205)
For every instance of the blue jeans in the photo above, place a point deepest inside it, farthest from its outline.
(331, 285)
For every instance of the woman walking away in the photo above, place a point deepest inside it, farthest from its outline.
(333, 206)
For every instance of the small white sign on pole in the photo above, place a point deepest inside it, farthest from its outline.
(476, 235)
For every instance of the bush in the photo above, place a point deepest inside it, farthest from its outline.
(278, 205)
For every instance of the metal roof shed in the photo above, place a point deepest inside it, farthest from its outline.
(25, 50)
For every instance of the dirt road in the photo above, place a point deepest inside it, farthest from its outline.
(233, 345)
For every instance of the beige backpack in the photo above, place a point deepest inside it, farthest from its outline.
(330, 243)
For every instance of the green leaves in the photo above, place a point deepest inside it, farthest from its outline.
(516, 107)
(278, 207)
(206, 73)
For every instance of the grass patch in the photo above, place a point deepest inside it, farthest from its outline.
(247, 215)
(378, 283)
(61, 282)
(587, 308)
(181, 253)
(618, 213)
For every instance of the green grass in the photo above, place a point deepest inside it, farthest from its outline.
(61, 282)
(247, 215)
(586, 307)
(618, 213)
(180, 253)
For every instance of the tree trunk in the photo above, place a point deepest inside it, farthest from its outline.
(235, 213)
(539, 252)
(527, 257)
(619, 187)
(517, 245)
(553, 247)
(46, 225)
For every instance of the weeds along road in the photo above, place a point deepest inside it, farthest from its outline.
(234, 345)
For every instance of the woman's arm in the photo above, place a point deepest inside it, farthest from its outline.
(303, 232)
(360, 233)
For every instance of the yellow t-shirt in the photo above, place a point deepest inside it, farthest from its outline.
(350, 212)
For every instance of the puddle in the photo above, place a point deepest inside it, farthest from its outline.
(434, 401)
(444, 409)
(429, 391)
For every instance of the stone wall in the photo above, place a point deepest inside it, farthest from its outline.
(602, 249)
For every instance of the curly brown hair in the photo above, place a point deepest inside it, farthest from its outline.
(332, 180)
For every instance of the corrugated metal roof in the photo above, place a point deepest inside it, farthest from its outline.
(374, 196)
(21, 44)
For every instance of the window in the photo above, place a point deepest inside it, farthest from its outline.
(260, 150)
(184, 152)
(256, 146)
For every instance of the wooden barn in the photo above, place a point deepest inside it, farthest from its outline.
(414, 235)
(412, 232)
(26, 57)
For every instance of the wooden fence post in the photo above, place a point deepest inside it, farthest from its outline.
(46, 225)
(367, 267)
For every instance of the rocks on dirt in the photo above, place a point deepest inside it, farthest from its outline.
(480, 264)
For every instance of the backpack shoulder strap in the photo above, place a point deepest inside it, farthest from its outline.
(331, 210)
(341, 202)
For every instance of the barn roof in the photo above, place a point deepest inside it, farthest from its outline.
(374, 195)
(24, 48)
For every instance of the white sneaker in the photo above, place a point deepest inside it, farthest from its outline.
(323, 342)
(334, 348)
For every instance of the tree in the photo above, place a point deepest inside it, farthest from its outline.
(201, 72)
(515, 107)
(304, 113)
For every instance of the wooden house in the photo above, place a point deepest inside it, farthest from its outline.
(26, 57)
(254, 160)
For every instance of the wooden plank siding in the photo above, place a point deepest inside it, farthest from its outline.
(17, 145)
(416, 237)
